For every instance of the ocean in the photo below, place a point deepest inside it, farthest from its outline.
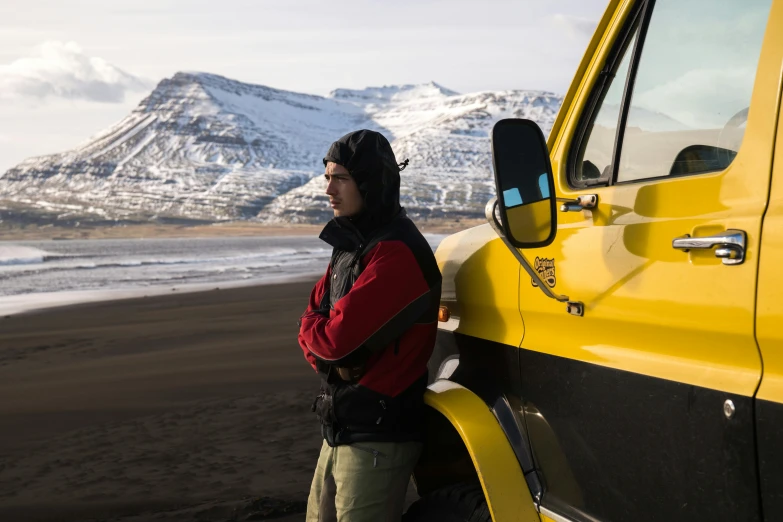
(41, 274)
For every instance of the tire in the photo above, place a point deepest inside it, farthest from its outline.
(457, 503)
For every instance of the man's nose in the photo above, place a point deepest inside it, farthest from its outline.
(330, 189)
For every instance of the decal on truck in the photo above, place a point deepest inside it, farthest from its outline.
(546, 271)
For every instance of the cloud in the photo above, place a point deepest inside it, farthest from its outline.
(577, 28)
(700, 98)
(62, 70)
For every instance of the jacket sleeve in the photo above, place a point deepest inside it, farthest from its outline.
(387, 299)
(320, 288)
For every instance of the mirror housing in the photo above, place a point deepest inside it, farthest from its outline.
(524, 183)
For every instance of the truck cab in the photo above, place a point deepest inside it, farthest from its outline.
(610, 345)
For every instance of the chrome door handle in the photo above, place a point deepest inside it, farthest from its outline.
(731, 245)
(579, 204)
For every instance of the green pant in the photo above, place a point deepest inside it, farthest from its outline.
(364, 481)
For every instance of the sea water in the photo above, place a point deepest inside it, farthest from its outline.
(37, 274)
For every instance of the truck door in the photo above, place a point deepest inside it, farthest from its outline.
(642, 409)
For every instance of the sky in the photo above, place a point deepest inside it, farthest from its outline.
(70, 69)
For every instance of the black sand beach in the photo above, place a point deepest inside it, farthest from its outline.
(179, 407)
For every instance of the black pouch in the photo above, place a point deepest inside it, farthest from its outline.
(323, 406)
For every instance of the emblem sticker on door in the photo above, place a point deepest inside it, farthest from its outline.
(546, 271)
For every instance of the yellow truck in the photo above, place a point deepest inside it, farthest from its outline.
(610, 345)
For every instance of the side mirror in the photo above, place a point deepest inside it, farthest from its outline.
(524, 183)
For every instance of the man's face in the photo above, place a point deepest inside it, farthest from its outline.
(344, 195)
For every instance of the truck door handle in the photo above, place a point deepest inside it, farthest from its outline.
(731, 245)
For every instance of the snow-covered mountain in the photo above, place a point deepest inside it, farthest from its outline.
(201, 146)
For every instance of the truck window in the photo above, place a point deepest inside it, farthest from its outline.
(594, 158)
(692, 87)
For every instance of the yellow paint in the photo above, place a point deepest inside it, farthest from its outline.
(531, 223)
(769, 306)
(614, 16)
(545, 518)
(651, 309)
(481, 285)
(769, 325)
(501, 477)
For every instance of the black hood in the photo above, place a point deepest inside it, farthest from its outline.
(368, 156)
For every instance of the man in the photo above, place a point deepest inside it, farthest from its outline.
(369, 330)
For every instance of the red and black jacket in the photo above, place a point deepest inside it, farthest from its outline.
(375, 308)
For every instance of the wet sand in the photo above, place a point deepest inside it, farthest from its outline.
(178, 407)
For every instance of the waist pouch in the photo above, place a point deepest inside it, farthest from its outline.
(352, 412)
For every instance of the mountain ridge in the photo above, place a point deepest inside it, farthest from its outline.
(205, 147)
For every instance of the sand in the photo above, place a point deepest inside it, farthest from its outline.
(178, 407)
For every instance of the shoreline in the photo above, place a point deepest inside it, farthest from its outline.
(26, 304)
(233, 228)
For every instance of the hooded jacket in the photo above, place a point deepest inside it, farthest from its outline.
(370, 326)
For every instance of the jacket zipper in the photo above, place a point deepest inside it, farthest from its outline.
(383, 405)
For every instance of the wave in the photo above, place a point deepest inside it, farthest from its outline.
(21, 255)
(12, 256)
(291, 258)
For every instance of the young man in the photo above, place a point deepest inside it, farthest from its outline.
(369, 330)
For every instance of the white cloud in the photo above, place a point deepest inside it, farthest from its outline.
(700, 98)
(62, 70)
(577, 28)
